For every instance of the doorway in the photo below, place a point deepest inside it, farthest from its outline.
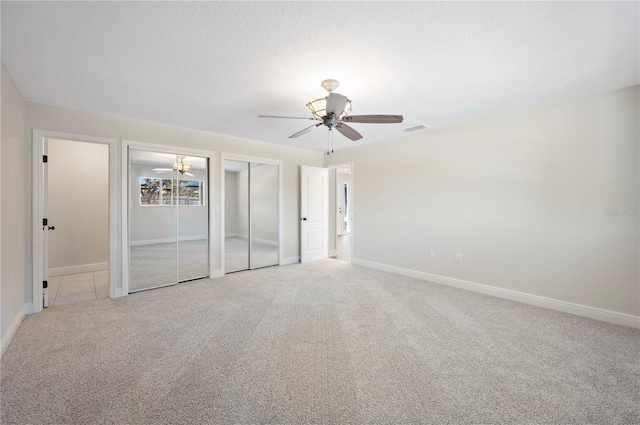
(68, 256)
(168, 219)
(77, 204)
(341, 180)
(251, 214)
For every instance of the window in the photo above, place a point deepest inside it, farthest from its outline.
(155, 191)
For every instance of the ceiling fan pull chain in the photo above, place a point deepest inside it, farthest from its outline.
(328, 135)
(331, 141)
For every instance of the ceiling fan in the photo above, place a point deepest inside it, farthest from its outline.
(332, 112)
(179, 166)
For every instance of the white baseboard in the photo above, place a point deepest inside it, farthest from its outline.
(217, 273)
(333, 253)
(262, 241)
(13, 327)
(28, 308)
(290, 260)
(167, 240)
(550, 303)
(265, 241)
(82, 268)
(118, 292)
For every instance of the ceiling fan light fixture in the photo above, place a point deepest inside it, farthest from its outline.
(180, 166)
(318, 108)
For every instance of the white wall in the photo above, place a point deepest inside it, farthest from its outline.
(78, 205)
(523, 196)
(15, 215)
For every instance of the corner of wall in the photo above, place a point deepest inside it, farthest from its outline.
(15, 225)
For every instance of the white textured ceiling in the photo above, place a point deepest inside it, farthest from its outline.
(216, 66)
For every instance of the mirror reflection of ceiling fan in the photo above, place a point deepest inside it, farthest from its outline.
(179, 166)
(332, 112)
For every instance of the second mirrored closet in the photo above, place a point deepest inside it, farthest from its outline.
(251, 215)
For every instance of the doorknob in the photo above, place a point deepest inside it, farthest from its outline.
(51, 227)
(303, 219)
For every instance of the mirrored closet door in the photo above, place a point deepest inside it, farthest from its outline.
(251, 215)
(168, 219)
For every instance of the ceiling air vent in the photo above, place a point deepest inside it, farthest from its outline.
(416, 128)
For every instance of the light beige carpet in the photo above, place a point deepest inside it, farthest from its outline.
(323, 343)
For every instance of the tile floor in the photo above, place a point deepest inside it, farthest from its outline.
(73, 288)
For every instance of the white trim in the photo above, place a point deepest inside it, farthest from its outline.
(217, 273)
(265, 242)
(38, 137)
(290, 260)
(212, 211)
(550, 303)
(81, 268)
(167, 240)
(333, 252)
(12, 329)
(262, 241)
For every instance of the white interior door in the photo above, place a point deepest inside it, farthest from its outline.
(314, 210)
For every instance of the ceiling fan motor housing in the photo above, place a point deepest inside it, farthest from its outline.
(330, 120)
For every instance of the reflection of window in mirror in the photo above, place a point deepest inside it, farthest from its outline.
(190, 192)
(149, 191)
(154, 191)
(167, 191)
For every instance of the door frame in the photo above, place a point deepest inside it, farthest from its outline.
(246, 158)
(352, 206)
(38, 136)
(176, 150)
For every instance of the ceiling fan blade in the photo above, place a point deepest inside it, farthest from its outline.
(336, 103)
(289, 118)
(348, 132)
(188, 174)
(163, 170)
(373, 119)
(305, 131)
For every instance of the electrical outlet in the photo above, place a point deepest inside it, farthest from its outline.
(458, 258)
(432, 254)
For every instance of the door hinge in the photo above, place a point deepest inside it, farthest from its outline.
(45, 222)
(45, 158)
(45, 284)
